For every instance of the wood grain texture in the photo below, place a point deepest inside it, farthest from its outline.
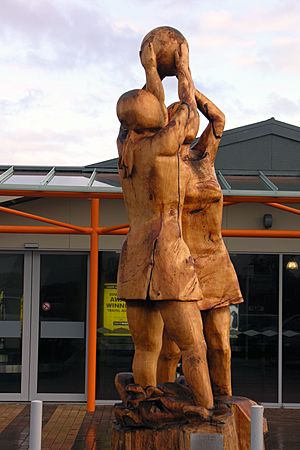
(201, 225)
(232, 420)
(174, 244)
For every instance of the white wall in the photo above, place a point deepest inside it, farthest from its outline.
(75, 211)
(250, 216)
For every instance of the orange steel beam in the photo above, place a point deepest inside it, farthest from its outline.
(39, 230)
(284, 208)
(240, 233)
(106, 230)
(119, 195)
(35, 229)
(42, 219)
(123, 231)
(256, 199)
(92, 324)
(119, 232)
(262, 233)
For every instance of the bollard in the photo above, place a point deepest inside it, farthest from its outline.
(35, 437)
(257, 433)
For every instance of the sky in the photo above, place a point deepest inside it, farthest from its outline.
(65, 63)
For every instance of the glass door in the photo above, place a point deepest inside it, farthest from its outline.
(15, 289)
(291, 329)
(254, 339)
(114, 343)
(58, 344)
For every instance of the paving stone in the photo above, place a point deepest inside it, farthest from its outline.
(70, 427)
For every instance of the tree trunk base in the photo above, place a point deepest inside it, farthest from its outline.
(228, 430)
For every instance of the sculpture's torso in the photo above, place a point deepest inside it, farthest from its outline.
(201, 224)
(155, 263)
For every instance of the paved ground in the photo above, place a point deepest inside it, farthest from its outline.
(69, 427)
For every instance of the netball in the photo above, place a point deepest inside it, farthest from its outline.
(165, 41)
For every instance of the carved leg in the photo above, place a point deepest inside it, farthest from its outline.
(168, 360)
(216, 326)
(184, 325)
(146, 327)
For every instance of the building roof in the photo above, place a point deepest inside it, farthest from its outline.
(271, 146)
(58, 179)
(260, 159)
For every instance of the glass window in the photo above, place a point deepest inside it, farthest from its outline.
(11, 320)
(26, 178)
(70, 179)
(114, 343)
(286, 183)
(291, 329)
(111, 179)
(244, 182)
(254, 344)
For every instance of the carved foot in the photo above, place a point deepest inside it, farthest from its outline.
(154, 407)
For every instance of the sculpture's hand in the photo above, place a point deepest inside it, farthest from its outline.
(182, 58)
(186, 90)
(153, 81)
(148, 57)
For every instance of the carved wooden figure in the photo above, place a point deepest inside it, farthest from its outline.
(174, 263)
(201, 224)
(156, 274)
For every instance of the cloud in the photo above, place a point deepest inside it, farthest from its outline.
(68, 37)
(265, 37)
(27, 101)
(63, 65)
(282, 55)
(47, 147)
(277, 104)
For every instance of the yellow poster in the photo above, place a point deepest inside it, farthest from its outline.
(114, 312)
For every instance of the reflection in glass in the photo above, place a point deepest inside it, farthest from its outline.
(286, 183)
(61, 364)
(114, 343)
(61, 367)
(11, 317)
(63, 287)
(255, 345)
(103, 179)
(70, 179)
(251, 182)
(291, 330)
(26, 178)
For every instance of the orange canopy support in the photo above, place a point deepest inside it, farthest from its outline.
(92, 324)
(284, 208)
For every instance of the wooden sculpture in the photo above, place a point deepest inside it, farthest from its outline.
(156, 274)
(166, 41)
(201, 225)
(174, 263)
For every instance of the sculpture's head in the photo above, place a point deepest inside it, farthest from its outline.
(165, 41)
(139, 109)
(193, 125)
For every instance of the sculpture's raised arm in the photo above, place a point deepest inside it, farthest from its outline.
(153, 81)
(186, 90)
(210, 139)
(184, 124)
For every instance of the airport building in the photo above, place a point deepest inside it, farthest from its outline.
(63, 332)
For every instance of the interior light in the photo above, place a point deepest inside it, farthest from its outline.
(292, 265)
